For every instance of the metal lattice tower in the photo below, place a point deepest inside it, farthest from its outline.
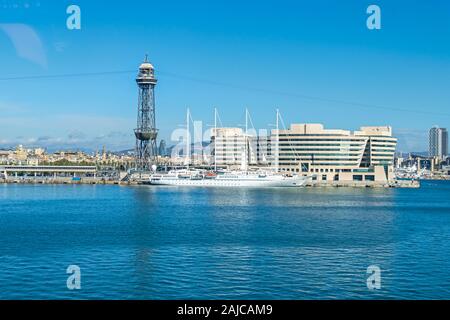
(146, 132)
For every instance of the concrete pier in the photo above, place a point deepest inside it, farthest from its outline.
(311, 184)
(366, 184)
(60, 180)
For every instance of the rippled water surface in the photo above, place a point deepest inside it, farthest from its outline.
(168, 242)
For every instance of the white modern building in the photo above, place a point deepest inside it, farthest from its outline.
(438, 142)
(310, 149)
(233, 147)
(335, 154)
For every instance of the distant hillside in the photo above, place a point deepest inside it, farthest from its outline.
(414, 153)
(122, 152)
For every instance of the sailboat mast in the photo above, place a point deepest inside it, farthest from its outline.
(246, 139)
(215, 139)
(246, 120)
(277, 142)
(188, 145)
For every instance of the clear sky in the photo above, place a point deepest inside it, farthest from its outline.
(314, 60)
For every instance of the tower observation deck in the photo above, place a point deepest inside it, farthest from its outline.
(146, 132)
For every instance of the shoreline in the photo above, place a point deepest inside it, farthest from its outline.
(313, 184)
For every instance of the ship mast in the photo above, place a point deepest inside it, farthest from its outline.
(277, 142)
(215, 139)
(188, 140)
(246, 140)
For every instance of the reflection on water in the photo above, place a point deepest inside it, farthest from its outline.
(169, 242)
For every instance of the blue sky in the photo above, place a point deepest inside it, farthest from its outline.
(315, 60)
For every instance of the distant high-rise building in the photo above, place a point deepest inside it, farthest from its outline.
(438, 143)
(162, 148)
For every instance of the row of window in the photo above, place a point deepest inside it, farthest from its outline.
(359, 145)
(382, 150)
(310, 135)
(320, 157)
(383, 144)
(330, 164)
(318, 148)
(390, 155)
(319, 140)
(303, 149)
(384, 139)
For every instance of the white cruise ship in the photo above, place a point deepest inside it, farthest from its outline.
(227, 179)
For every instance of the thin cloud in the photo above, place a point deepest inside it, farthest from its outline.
(412, 140)
(26, 41)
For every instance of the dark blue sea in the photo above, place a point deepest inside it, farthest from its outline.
(148, 242)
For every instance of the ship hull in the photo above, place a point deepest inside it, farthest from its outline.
(250, 183)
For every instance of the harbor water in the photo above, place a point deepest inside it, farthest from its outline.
(147, 242)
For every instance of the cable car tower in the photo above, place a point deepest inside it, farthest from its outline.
(146, 132)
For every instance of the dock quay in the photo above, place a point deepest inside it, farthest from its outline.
(64, 180)
(91, 175)
(366, 184)
(103, 181)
